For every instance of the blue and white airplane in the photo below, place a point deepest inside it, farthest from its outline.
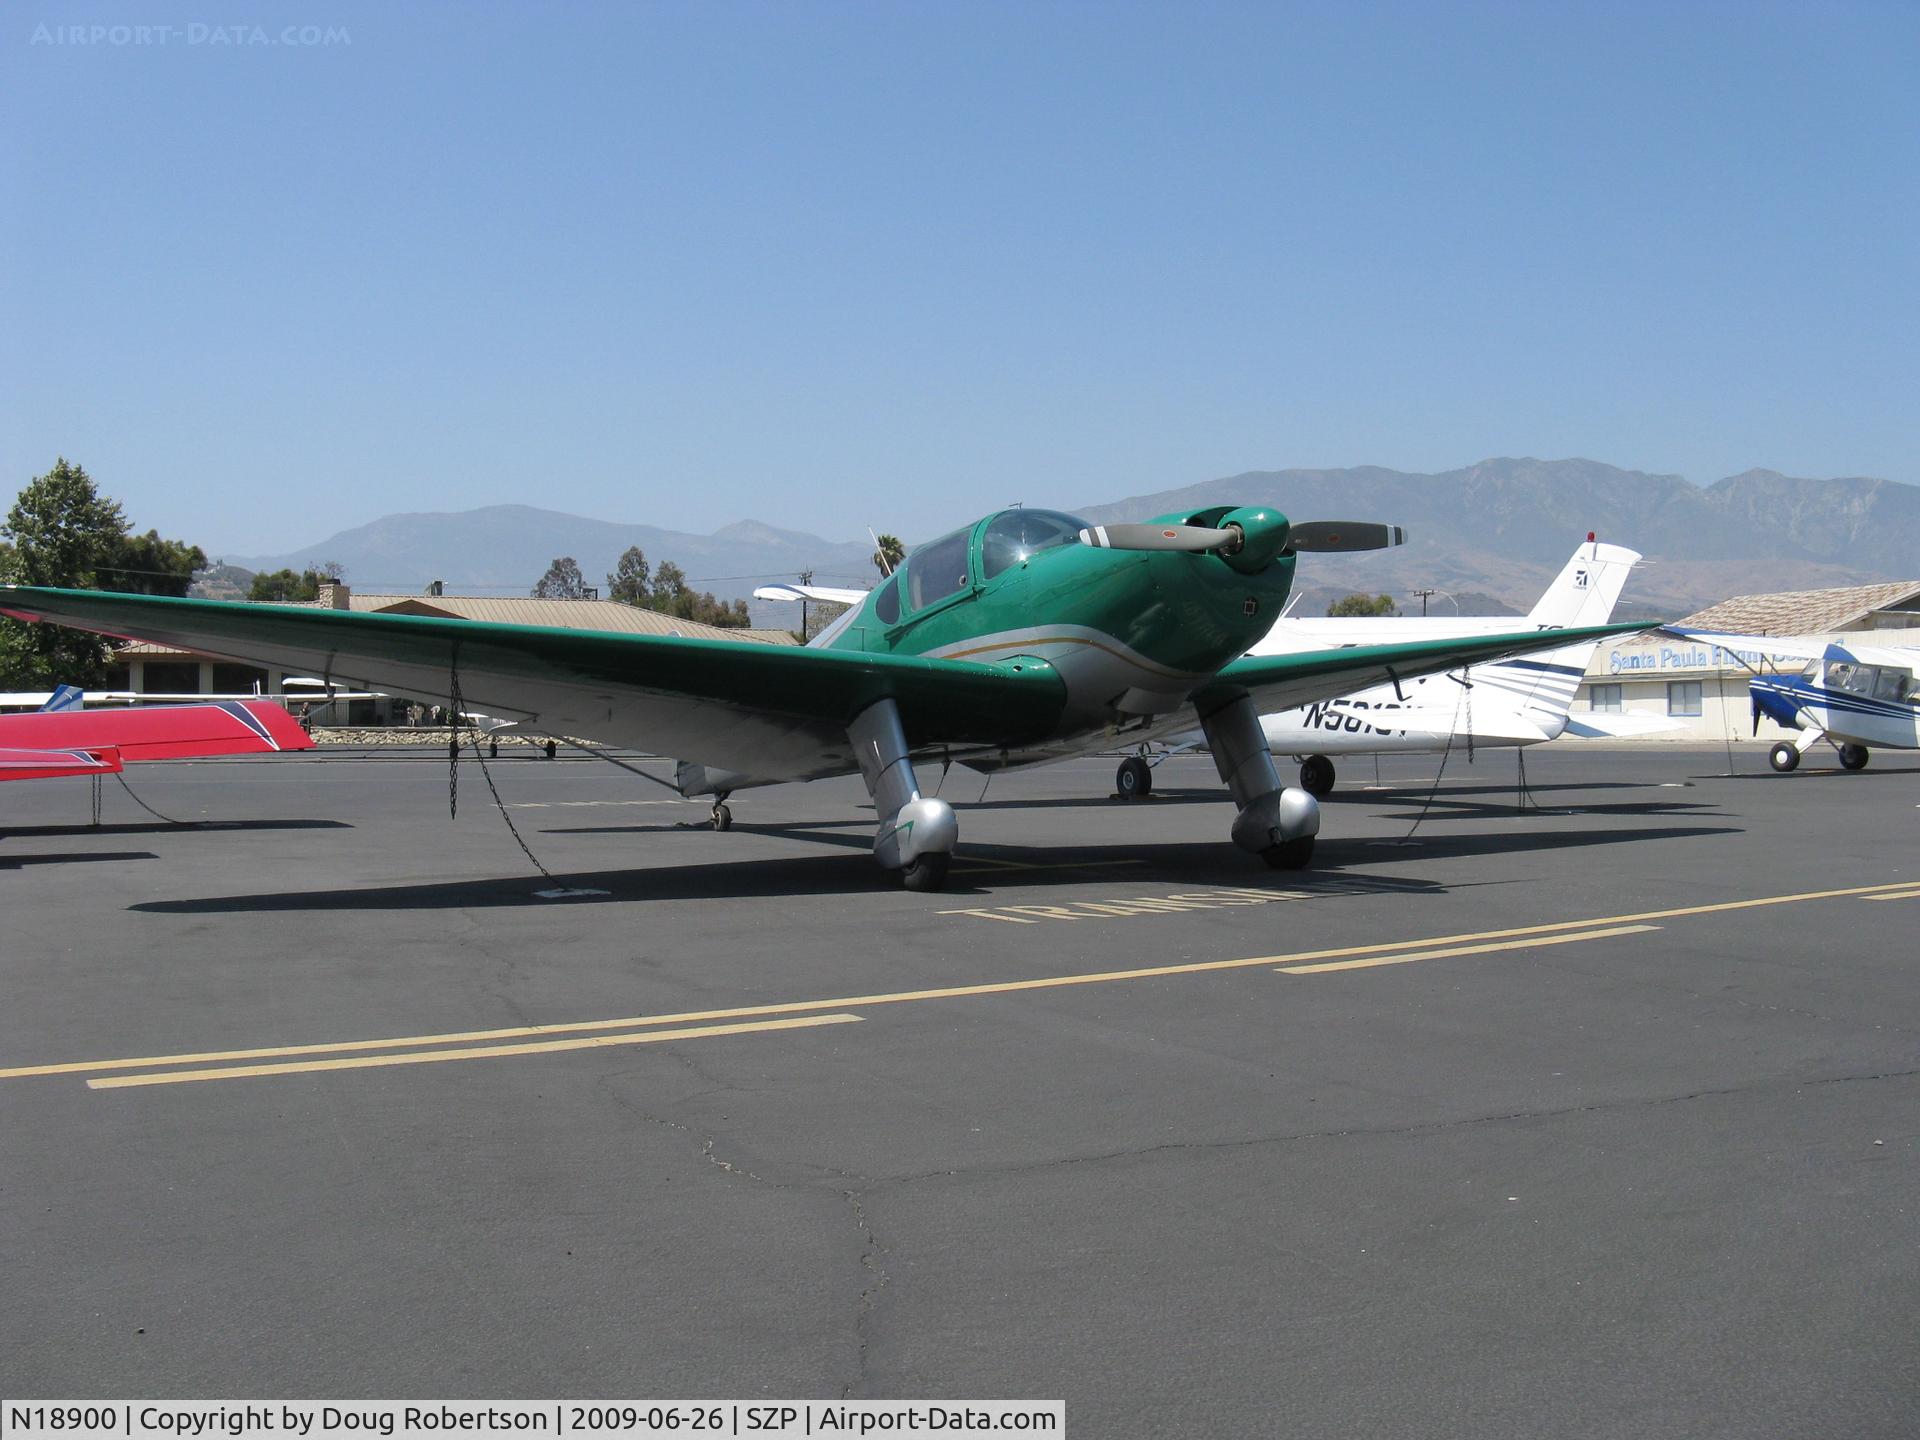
(1850, 696)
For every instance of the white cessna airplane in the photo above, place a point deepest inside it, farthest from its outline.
(1517, 702)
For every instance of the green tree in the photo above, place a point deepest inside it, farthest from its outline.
(630, 582)
(1363, 605)
(888, 557)
(284, 585)
(61, 529)
(563, 581)
(669, 588)
(148, 565)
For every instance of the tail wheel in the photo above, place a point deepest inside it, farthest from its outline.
(928, 872)
(1289, 854)
(1853, 757)
(1784, 757)
(1316, 776)
(722, 817)
(1134, 778)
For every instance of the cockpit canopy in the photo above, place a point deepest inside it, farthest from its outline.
(1015, 536)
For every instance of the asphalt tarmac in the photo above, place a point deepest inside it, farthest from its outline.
(1593, 1111)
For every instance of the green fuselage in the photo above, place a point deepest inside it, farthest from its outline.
(1130, 634)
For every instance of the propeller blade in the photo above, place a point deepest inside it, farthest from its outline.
(1331, 535)
(1191, 539)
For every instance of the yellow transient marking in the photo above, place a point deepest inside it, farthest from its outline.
(1407, 957)
(485, 1052)
(951, 992)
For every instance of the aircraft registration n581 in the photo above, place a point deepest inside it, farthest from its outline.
(1026, 637)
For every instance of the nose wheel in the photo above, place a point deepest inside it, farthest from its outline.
(1134, 778)
(722, 816)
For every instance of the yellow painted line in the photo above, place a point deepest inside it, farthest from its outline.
(1008, 867)
(1409, 956)
(1895, 895)
(957, 992)
(485, 1052)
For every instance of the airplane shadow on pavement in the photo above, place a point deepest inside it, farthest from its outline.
(978, 870)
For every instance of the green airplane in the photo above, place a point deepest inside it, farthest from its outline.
(1027, 637)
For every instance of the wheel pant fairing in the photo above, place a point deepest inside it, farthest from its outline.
(1270, 814)
(910, 825)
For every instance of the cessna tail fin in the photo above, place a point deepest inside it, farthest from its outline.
(1584, 593)
(1587, 587)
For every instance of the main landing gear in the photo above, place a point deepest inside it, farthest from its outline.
(1278, 824)
(722, 816)
(1134, 779)
(916, 834)
(1786, 754)
(1316, 776)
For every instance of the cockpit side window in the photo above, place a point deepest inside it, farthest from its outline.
(937, 570)
(1015, 536)
(886, 604)
(1892, 685)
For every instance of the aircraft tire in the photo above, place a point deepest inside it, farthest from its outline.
(1290, 854)
(1134, 778)
(928, 872)
(1783, 757)
(722, 818)
(1853, 757)
(1317, 776)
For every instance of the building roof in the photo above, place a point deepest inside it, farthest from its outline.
(608, 615)
(1807, 612)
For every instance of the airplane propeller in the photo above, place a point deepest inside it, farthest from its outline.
(1313, 535)
(1192, 539)
(1327, 536)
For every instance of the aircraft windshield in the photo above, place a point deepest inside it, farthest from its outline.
(937, 569)
(1015, 536)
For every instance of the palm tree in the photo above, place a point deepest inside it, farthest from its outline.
(891, 552)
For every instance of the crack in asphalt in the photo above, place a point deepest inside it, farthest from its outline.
(872, 1254)
(1427, 1127)
(875, 1278)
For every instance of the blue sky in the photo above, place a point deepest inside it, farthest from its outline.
(832, 265)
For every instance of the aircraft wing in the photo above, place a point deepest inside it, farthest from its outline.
(826, 593)
(53, 764)
(1281, 682)
(160, 732)
(1797, 647)
(1597, 725)
(770, 711)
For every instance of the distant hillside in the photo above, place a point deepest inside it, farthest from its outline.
(1505, 526)
(508, 547)
(1490, 535)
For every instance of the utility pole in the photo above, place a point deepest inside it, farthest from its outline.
(806, 578)
(1423, 594)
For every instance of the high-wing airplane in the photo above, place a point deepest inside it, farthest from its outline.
(1507, 703)
(1851, 696)
(1024, 638)
(64, 739)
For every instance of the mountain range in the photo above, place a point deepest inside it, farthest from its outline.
(1487, 537)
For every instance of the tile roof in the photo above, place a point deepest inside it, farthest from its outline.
(1805, 612)
(608, 615)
